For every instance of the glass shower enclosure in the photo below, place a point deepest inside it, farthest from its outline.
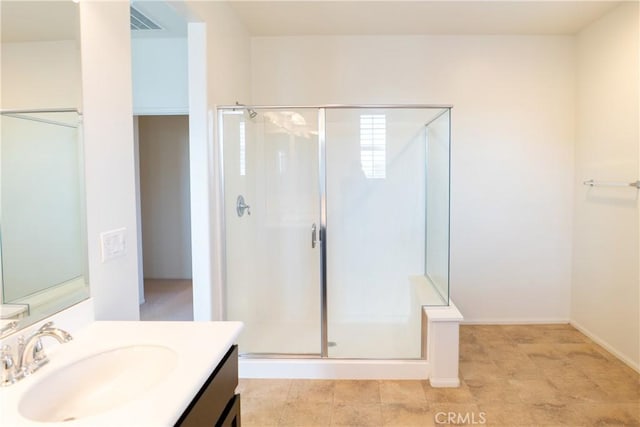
(336, 227)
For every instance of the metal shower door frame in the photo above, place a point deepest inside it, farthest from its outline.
(322, 186)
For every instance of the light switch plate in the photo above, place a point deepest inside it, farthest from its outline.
(113, 244)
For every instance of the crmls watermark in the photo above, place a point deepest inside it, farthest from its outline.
(460, 418)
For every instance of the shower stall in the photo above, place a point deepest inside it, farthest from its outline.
(336, 227)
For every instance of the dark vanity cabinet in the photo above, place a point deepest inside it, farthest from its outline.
(216, 404)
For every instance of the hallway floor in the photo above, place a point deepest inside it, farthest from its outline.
(534, 375)
(167, 299)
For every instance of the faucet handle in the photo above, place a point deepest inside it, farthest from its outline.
(9, 327)
(38, 358)
(8, 375)
(38, 352)
(20, 345)
(45, 326)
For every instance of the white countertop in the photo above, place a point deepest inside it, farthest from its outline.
(200, 347)
(9, 311)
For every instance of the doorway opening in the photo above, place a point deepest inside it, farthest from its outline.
(163, 147)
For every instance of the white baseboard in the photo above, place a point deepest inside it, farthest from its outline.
(549, 321)
(633, 365)
(334, 369)
(444, 382)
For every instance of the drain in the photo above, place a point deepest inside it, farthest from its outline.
(331, 344)
(69, 419)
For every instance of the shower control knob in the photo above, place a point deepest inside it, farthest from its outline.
(241, 206)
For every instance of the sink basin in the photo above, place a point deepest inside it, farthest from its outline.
(97, 383)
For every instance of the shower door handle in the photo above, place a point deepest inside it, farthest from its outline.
(314, 236)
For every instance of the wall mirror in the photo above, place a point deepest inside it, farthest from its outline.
(42, 210)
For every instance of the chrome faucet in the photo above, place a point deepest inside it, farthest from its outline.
(31, 355)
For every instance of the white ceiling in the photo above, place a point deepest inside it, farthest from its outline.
(57, 20)
(274, 18)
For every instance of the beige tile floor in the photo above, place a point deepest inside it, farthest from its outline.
(533, 375)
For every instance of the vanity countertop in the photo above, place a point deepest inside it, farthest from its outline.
(200, 346)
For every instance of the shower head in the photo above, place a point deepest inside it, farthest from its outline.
(248, 111)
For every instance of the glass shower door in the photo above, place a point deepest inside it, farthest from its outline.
(272, 205)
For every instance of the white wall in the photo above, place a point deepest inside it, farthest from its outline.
(164, 187)
(160, 82)
(136, 154)
(605, 299)
(228, 54)
(40, 75)
(512, 149)
(224, 76)
(109, 155)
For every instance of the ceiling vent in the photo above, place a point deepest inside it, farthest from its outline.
(140, 22)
